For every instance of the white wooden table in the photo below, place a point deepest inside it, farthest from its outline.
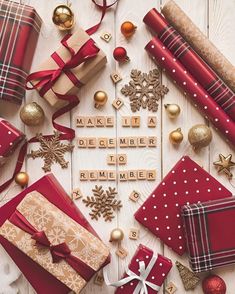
(216, 18)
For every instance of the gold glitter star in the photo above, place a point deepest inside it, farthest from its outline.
(224, 164)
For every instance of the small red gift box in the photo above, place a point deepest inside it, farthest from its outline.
(10, 138)
(20, 26)
(210, 233)
(145, 271)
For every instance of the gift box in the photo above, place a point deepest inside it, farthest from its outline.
(75, 62)
(50, 240)
(186, 183)
(20, 27)
(10, 139)
(153, 269)
(210, 233)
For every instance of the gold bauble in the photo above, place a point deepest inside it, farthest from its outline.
(32, 114)
(22, 179)
(63, 17)
(199, 136)
(116, 235)
(128, 29)
(176, 136)
(100, 98)
(173, 110)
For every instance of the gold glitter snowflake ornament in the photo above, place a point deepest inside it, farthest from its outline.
(52, 151)
(144, 90)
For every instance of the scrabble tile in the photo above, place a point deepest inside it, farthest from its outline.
(132, 142)
(142, 141)
(135, 121)
(76, 194)
(111, 142)
(134, 234)
(111, 159)
(99, 279)
(99, 121)
(117, 103)
(123, 176)
(92, 175)
(109, 121)
(122, 159)
(141, 174)
(126, 121)
(80, 121)
(134, 196)
(132, 175)
(151, 175)
(83, 175)
(102, 142)
(121, 252)
(82, 142)
(112, 175)
(106, 36)
(152, 141)
(171, 288)
(91, 142)
(90, 122)
(115, 77)
(123, 142)
(152, 121)
(102, 175)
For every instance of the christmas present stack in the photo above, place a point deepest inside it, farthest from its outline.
(50, 240)
(10, 139)
(72, 65)
(185, 184)
(20, 27)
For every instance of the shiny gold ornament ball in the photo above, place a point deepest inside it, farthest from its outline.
(116, 235)
(22, 179)
(63, 17)
(32, 114)
(176, 136)
(199, 136)
(128, 29)
(100, 98)
(173, 110)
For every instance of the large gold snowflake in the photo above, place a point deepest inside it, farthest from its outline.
(144, 90)
(52, 151)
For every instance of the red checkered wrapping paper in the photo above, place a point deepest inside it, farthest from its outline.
(186, 183)
(200, 97)
(192, 61)
(157, 275)
(209, 229)
(10, 138)
(20, 26)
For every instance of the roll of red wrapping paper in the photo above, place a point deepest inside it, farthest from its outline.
(191, 86)
(208, 79)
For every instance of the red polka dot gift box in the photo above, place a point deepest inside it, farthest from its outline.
(10, 138)
(145, 271)
(185, 184)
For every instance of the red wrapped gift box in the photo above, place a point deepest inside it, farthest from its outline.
(210, 233)
(42, 281)
(21, 26)
(156, 270)
(10, 138)
(186, 183)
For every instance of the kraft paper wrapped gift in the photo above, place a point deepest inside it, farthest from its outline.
(50, 240)
(83, 73)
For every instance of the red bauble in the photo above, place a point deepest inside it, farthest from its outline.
(120, 54)
(213, 285)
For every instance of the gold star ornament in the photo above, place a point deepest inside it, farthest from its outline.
(225, 164)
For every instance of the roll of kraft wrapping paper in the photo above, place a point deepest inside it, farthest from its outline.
(200, 43)
(190, 85)
(192, 61)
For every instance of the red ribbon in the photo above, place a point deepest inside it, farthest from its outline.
(58, 252)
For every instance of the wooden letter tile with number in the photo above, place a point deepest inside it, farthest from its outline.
(93, 175)
(123, 176)
(80, 121)
(123, 142)
(135, 121)
(83, 175)
(132, 175)
(117, 103)
(99, 121)
(109, 122)
(76, 194)
(99, 279)
(141, 174)
(152, 121)
(132, 142)
(82, 142)
(91, 142)
(134, 234)
(151, 175)
(102, 142)
(116, 77)
(111, 142)
(111, 159)
(106, 36)
(126, 121)
(122, 159)
(89, 122)
(134, 196)
(112, 175)
(152, 141)
(102, 175)
(142, 141)
(121, 252)
(171, 288)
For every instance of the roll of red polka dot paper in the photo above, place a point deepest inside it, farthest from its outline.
(200, 97)
(187, 183)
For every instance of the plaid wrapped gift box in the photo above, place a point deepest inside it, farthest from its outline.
(20, 26)
(210, 233)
